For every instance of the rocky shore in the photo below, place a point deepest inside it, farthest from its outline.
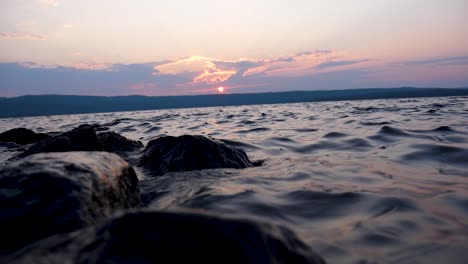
(73, 197)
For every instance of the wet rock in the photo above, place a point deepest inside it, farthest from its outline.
(113, 142)
(188, 152)
(84, 138)
(171, 237)
(22, 136)
(51, 193)
(9, 145)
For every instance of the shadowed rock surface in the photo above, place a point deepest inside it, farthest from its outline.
(51, 193)
(191, 152)
(22, 136)
(171, 237)
(113, 142)
(84, 138)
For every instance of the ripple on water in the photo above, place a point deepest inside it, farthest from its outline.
(353, 144)
(314, 204)
(389, 205)
(335, 135)
(258, 129)
(438, 153)
(374, 123)
(153, 129)
(303, 130)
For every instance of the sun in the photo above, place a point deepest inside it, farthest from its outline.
(220, 89)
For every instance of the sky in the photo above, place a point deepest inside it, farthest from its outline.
(146, 47)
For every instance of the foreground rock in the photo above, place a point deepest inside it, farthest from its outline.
(171, 237)
(84, 138)
(187, 152)
(22, 136)
(51, 193)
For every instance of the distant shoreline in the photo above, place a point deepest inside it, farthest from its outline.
(45, 105)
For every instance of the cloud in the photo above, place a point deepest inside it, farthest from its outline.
(199, 74)
(330, 64)
(459, 60)
(213, 71)
(92, 66)
(144, 88)
(208, 70)
(303, 63)
(34, 65)
(52, 3)
(316, 52)
(21, 36)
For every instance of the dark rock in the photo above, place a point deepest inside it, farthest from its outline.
(171, 237)
(187, 152)
(22, 136)
(113, 142)
(51, 193)
(84, 138)
(9, 145)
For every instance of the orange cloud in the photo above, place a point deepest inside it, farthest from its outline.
(214, 71)
(191, 64)
(210, 72)
(212, 77)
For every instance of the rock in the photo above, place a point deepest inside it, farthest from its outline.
(171, 237)
(113, 142)
(9, 145)
(51, 193)
(84, 138)
(22, 136)
(187, 152)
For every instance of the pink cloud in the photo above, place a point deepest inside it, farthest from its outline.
(52, 3)
(212, 71)
(21, 36)
(144, 88)
(92, 66)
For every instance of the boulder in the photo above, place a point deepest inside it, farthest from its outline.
(171, 237)
(188, 152)
(50, 193)
(84, 138)
(22, 136)
(113, 142)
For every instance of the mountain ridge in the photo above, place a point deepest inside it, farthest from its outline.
(53, 104)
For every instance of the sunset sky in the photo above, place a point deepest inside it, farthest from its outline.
(122, 47)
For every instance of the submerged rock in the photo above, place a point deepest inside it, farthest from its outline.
(22, 136)
(84, 138)
(171, 237)
(188, 152)
(51, 193)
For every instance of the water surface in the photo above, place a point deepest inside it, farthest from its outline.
(378, 181)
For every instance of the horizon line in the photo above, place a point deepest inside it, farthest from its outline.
(221, 94)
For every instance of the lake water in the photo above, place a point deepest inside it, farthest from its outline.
(360, 181)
